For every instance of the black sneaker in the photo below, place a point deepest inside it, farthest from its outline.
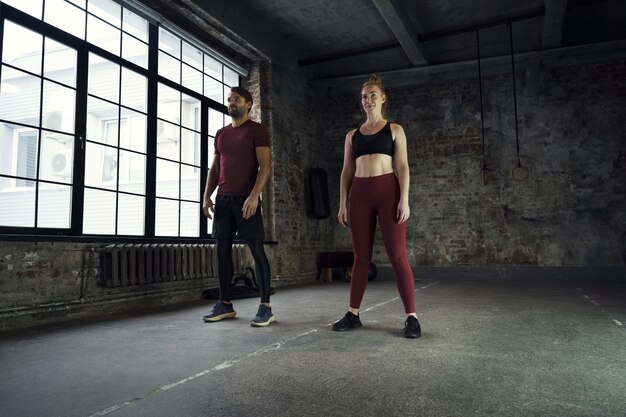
(412, 329)
(348, 322)
(264, 317)
(220, 311)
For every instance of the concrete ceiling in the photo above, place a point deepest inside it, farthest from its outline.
(340, 38)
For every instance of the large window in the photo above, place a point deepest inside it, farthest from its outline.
(115, 149)
(37, 129)
(107, 121)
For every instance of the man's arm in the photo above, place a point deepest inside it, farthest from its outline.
(263, 156)
(211, 185)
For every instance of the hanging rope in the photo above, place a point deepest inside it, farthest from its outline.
(518, 173)
(482, 122)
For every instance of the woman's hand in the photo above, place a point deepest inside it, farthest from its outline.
(403, 212)
(342, 216)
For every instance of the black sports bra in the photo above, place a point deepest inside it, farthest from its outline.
(380, 142)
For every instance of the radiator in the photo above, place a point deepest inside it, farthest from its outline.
(135, 264)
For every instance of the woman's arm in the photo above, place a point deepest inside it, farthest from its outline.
(401, 162)
(347, 174)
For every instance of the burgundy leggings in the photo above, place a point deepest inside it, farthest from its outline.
(369, 198)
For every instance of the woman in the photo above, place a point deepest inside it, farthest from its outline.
(370, 153)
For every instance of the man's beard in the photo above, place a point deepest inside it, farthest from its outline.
(235, 112)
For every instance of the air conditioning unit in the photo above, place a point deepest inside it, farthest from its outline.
(61, 163)
(53, 120)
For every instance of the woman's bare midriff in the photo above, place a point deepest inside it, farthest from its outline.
(373, 165)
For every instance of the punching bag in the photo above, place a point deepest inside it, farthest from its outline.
(318, 193)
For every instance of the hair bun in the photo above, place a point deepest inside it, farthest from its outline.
(375, 79)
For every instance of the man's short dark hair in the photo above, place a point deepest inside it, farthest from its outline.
(243, 93)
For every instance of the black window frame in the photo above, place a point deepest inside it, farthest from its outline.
(83, 48)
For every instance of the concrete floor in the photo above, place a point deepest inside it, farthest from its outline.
(489, 348)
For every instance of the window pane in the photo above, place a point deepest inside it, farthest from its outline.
(212, 67)
(167, 179)
(190, 183)
(103, 35)
(191, 112)
(135, 25)
(192, 56)
(18, 156)
(216, 121)
(190, 152)
(134, 51)
(168, 140)
(134, 90)
(170, 43)
(57, 157)
(104, 78)
(169, 67)
(58, 107)
(99, 212)
(192, 79)
(19, 96)
(134, 135)
(132, 172)
(32, 7)
(166, 218)
(189, 219)
(213, 89)
(130, 215)
(100, 114)
(54, 205)
(22, 47)
(226, 93)
(17, 205)
(101, 166)
(168, 106)
(107, 10)
(66, 17)
(231, 78)
(60, 62)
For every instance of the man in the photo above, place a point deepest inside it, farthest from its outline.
(240, 169)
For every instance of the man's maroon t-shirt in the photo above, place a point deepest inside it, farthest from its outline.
(236, 148)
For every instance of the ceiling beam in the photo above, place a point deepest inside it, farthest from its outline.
(573, 56)
(346, 54)
(431, 36)
(403, 30)
(552, 31)
(427, 37)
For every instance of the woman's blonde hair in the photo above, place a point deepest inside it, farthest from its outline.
(376, 80)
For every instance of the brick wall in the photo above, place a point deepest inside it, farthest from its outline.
(571, 210)
(43, 282)
(295, 149)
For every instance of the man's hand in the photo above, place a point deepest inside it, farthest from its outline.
(207, 207)
(250, 206)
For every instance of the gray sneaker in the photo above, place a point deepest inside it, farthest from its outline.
(220, 311)
(263, 317)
